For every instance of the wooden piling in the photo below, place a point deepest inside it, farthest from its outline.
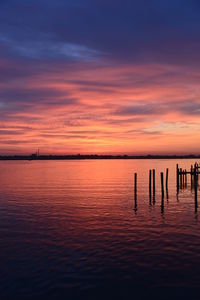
(167, 174)
(177, 177)
(195, 182)
(135, 186)
(181, 177)
(150, 184)
(135, 191)
(162, 184)
(195, 200)
(195, 186)
(195, 176)
(154, 182)
(191, 176)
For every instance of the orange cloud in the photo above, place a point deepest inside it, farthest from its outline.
(101, 109)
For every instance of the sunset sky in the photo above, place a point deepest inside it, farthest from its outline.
(100, 76)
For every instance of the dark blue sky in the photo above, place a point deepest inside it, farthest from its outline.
(150, 31)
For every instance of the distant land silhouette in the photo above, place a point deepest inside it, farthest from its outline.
(94, 156)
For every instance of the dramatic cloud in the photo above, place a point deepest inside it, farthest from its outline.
(99, 76)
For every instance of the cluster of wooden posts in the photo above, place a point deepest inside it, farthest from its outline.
(152, 187)
(152, 183)
(181, 180)
(181, 176)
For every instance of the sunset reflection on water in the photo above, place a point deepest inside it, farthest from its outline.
(68, 227)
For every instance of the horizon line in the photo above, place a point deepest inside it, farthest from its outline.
(37, 156)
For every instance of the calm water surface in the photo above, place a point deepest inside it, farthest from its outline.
(72, 229)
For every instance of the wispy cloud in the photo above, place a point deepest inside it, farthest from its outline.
(49, 49)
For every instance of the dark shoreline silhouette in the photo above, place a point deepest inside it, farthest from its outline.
(94, 156)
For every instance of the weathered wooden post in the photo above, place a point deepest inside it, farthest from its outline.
(162, 184)
(167, 174)
(196, 171)
(195, 176)
(154, 186)
(154, 182)
(181, 177)
(191, 176)
(195, 186)
(150, 185)
(162, 192)
(135, 185)
(177, 177)
(135, 190)
(195, 198)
